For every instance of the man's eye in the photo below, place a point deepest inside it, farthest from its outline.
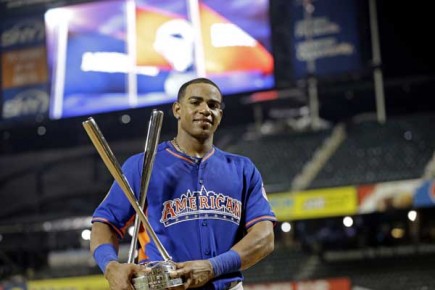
(214, 106)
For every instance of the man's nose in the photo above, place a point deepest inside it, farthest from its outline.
(205, 109)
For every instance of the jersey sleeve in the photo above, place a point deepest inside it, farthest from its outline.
(258, 207)
(115, 209)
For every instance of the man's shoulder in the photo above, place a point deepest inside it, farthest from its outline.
(163, 146)
(133, 159)
(233, 157)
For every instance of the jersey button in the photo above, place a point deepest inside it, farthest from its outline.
(201, 181)
(207, 252)
(204, 223)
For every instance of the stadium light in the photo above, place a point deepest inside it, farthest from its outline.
(125, 119)
(412, 215)
(86, 235)
(41, 130)
(347, 221)
(397, 233)
(286, 227)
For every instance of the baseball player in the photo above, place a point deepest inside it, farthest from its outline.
(208, 207)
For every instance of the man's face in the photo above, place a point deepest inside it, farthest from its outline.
(199, 110)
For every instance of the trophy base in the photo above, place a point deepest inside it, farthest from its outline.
(158, 278)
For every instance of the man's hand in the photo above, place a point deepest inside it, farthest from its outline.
(194, 273)
(119, 275)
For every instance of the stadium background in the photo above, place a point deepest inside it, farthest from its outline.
(354, 196)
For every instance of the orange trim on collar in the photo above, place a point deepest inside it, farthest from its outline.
(208, 155)
(179, 156)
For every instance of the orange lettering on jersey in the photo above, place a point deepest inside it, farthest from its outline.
(229, 204)
(237, 211)
(180, 204)
(203, 202)
(192, 203)
(168, 212)
(220, 200)
(212, 202)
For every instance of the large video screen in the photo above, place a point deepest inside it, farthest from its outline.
(114, 55)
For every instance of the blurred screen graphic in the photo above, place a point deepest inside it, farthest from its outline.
(115, 55)
(326, 36)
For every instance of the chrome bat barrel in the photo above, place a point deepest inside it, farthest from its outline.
(114, 168)
(151, 142)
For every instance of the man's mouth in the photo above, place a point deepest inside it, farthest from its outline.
(203, 121)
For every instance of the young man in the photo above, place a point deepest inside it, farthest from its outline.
(208, 207)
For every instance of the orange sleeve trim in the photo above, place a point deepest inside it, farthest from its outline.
(261, 218)
(103, 220)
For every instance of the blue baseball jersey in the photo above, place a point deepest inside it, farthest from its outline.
(199, 208)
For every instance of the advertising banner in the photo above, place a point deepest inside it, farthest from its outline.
(97, 282)
(317, 203)
(323, 284)
(425, 194)
(350, 200)
(385, 196)
(24, 71)
(329, 37)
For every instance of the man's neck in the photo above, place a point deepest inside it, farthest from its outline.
(192, 146)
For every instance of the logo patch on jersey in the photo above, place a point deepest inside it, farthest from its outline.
(263, 191)
(201, 204)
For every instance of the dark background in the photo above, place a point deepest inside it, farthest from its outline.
(408, 65)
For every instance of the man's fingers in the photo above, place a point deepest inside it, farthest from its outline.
(174, 274)
(187, 283)
(180, 272)
(179, 265)
(141, 269)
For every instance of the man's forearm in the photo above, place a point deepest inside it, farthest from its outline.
(102, 234)
(256, 245)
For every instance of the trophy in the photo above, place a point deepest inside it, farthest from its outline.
(158, 278)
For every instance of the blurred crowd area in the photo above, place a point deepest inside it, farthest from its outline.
(385, 241)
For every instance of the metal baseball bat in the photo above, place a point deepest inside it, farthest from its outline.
(151, 142)
(113, 166)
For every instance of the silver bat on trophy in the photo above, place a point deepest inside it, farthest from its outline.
(158, 278)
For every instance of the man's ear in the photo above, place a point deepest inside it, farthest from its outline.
(176, 110)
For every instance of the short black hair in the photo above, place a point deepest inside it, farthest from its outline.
(182, 89)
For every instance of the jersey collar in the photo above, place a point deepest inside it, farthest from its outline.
(175, 152)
